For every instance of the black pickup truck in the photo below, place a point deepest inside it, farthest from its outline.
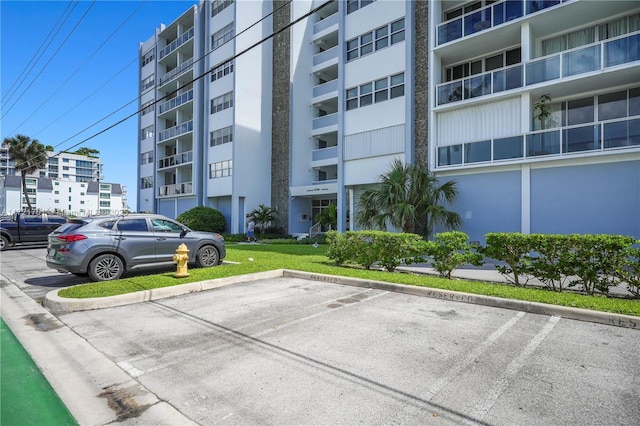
(27, 228)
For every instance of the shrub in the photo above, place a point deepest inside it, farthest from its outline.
(450, 250)
(629, 271)
(553, 261)
(203, 218)
(368, 247)
(512, 249)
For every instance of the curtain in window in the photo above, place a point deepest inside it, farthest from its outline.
(613, 28)
(553, 45)
(634, 22)
(581, 37)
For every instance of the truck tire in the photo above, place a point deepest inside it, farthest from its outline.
(106, 267)
(207, 256)
(4, 243)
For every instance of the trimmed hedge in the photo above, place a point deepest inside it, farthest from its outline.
(594, 262)
(203, 218)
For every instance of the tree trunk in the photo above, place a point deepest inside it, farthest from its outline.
(24, 190)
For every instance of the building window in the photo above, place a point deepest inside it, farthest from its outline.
(147, 57)
(377, 91)
(147, 83)
(353, 5)
(480, 65)
(221, 136)
(221, 71)
(375, 40)
(146, 157)
(148, 107)
(146, 182)
(218, 6)
(222, 36)
(147, 132)
(221, 102)
(220, 169)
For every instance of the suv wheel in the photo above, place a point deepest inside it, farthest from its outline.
(207, 256)
(106, 267)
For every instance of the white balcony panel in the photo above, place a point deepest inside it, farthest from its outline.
(485, 121)
(388, 140)
(326, 23)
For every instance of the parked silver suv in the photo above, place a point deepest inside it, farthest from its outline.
(105, 247)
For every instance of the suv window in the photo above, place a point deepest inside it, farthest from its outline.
(132, 225)
(108, 224)
(161, 225)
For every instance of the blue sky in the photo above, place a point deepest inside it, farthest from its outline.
(93, 76)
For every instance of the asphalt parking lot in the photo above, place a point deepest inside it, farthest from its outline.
(296, 351)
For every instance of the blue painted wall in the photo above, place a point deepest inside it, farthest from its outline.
(594, 199)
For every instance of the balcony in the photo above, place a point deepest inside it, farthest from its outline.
(325, 121)
(584, 59)
(183, 67)
(175, 131)
(331, 53)
(175, 160)
(325, 88)
(185, 188)
(182, 39)
(581, 60)
(480, 85)
(325, 23)
(175, 102)
(489, 17)
(330, 153)
(601, 137)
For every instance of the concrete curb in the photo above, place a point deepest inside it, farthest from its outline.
(94, 389)
(57, 304)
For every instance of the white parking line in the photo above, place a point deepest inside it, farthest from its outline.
(482, 408)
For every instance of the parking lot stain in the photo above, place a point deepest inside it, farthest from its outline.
(42, 322)
(122, 403)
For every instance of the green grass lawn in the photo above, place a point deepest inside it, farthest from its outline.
(264, 257)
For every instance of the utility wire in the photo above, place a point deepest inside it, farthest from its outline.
(168, 94)
(289, 25)
(50, 59)
(77, 70)
(29, 67)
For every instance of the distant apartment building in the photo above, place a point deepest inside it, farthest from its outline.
(69, 183)
(340, 89)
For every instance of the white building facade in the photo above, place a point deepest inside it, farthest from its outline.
(205, 112)
(341, 89)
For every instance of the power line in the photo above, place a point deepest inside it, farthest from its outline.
(80, 67)
(289, 25)
(50, 59)
(29, 67)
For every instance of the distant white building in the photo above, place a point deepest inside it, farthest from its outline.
(69, 183)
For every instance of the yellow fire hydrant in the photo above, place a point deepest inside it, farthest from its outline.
(181, 258)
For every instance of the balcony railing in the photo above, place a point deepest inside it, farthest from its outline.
(323, 89)
(324, 153)
(325, 120)
(175, 131)
(177, 101)
(594, 137)
(326, 55)
(175, 189)
(594, 57)
(176, 71)
(480, 85)
(490, 16)
(175, 160)
(325, 23)
(589, 58)
(182, 39)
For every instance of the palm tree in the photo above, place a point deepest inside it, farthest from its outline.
(411, 198)
(264, 216)
(328, 217)
(29, 156)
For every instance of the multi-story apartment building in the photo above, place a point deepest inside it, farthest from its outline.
(459, 86)
(205, 121)
(575, 168)
(69, 182)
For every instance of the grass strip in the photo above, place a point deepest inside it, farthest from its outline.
(264, 257)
